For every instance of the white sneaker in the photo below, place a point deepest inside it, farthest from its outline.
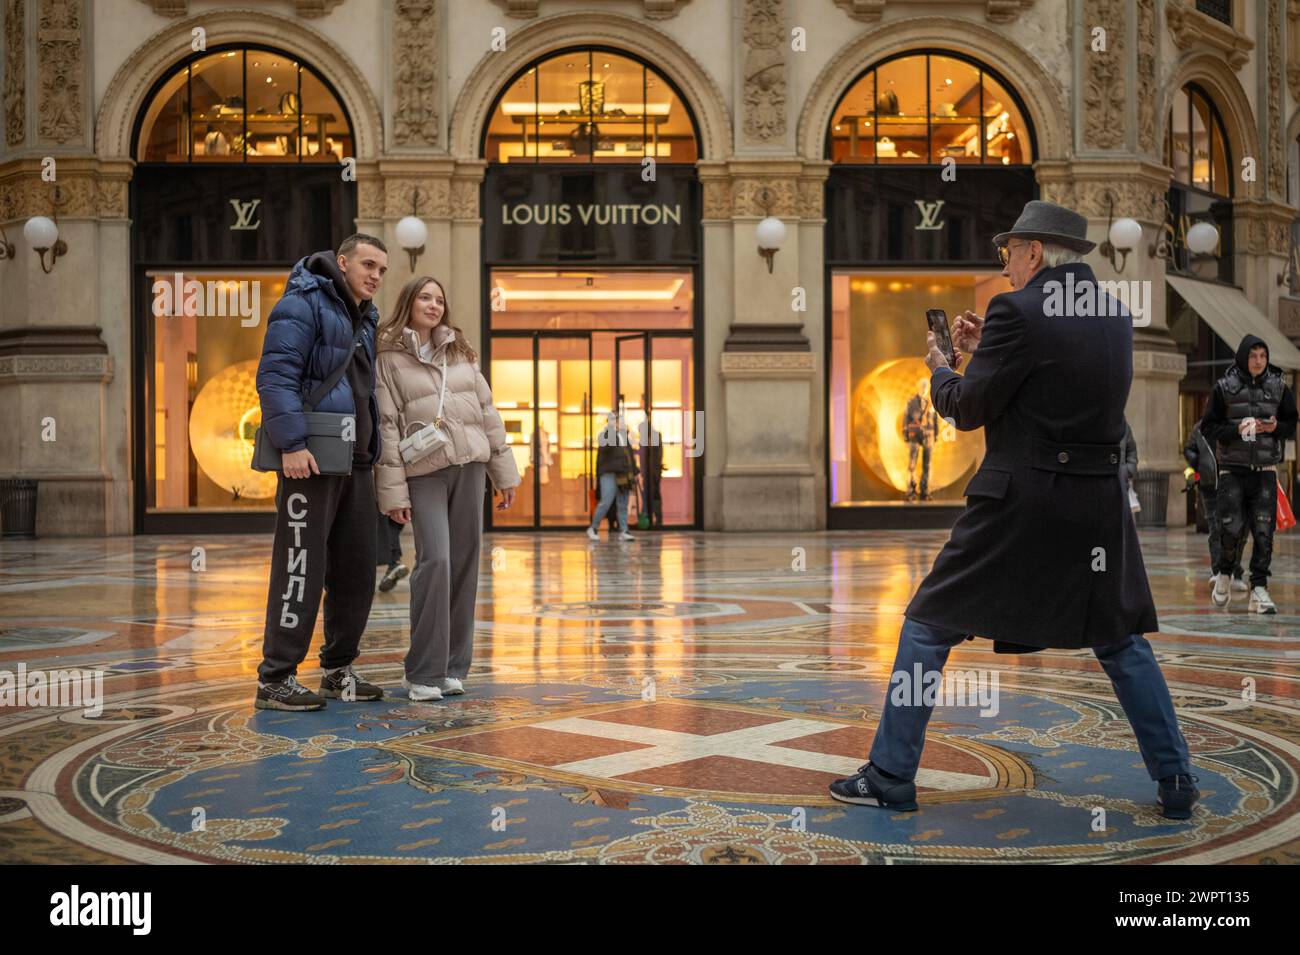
(419, 693)
(1221, 594)
(591, 532)
(1239, 585)
(625, 536)
(1261, 602)
(451, 686)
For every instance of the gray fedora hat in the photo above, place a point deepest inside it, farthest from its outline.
(1048, 222)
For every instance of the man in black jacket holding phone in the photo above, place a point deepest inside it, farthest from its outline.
(1251, 416)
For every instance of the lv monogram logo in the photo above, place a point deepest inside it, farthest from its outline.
(244, 214)
(929, 214)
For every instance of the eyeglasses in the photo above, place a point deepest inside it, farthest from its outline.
(1004, 254)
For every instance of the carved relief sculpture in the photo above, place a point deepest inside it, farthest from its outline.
(764, 70)
(1103, 84)
(415, 73)
(15, 88)
(59, 102)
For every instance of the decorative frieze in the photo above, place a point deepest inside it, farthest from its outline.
(37, 368)
(84, 191)
(767, 364)
(415, 73)
(764, 71)
(763, 197)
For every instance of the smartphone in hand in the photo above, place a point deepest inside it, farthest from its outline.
(937, 319)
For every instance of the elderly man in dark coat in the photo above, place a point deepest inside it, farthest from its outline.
(1046, 552)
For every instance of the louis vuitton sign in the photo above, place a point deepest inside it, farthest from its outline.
(913, 215)
(544, 214)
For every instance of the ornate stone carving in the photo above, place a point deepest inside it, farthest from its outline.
(370, 197)
(811, 193)
(434, 198)
(764, 71)
(1161, 364)
(15, 88)
(415, 73)
(717, 198)
(1276, 156)
(59, 99)
(1104, 75)
(1142, 199)
(995, 11)
(464, 199)
(1293, 47)
(1189, 27)
(1146, 74)
(800, 362)
(305, 8)
(749, 199)
(85, 192)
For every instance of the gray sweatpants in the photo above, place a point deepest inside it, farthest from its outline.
(447, 517)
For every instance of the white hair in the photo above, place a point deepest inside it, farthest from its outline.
(1054, 255)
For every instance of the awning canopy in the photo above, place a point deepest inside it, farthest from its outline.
(1232, 317)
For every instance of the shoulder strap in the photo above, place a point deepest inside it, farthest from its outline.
(442, 397)
(326, 386)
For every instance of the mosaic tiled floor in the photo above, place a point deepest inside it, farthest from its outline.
(682, 698)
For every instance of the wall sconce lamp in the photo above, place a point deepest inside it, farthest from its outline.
(412, 232)
(42, 235)
(6, 247)
(770, 231)
(1122, 236)
(1203, 238)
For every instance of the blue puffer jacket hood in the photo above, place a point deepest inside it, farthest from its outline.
(309, 334)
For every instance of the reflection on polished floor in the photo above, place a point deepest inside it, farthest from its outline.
(680, 698)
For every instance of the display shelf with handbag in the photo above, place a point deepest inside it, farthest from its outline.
(325, 429)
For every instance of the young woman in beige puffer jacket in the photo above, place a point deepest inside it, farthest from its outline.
(441, 494)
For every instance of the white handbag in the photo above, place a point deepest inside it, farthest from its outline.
(415, 447)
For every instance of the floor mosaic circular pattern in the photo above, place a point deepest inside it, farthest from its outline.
(694, 717)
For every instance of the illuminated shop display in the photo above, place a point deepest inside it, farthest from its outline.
(248, 104)
(236, 178)
(901, 238)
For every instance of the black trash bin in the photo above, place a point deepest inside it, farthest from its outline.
(1153, 494)
(17, 507)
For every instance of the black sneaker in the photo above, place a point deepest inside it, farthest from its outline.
(1177, 795)
(344, 684)
(286, 694)
(391, 577)
(870, 787)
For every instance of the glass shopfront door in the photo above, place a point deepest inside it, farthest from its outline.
(555, 390)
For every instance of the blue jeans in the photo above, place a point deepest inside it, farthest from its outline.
(609, 493)
(1130, 664)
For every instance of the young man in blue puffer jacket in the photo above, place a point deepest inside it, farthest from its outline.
(324, 523)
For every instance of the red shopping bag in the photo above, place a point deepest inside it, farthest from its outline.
(1285, 516)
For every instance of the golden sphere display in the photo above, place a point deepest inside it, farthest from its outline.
(879, 404)
(224, 418)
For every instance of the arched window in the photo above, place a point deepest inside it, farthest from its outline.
(590, 105)
(244, 104)
(1196, 147)
(925, 108)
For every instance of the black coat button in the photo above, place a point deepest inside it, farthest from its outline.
(1114, 459)
(1063, 457)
